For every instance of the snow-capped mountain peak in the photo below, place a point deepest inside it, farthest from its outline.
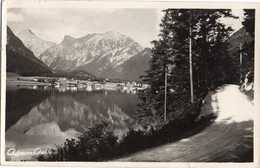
(32, 41)
(95, 53)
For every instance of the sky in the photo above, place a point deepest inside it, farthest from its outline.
(54, 23)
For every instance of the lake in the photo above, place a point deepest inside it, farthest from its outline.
(37, 119)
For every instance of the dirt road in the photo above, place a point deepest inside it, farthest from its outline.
(228, 139)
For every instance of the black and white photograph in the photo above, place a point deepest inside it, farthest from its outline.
(129, 84)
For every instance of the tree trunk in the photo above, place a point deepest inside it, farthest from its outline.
(190, 62)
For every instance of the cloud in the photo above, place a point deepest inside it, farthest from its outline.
(15, 17)
(53, 24)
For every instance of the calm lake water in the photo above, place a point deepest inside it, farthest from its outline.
(41, 119)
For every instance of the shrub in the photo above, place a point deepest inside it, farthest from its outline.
(99, 143)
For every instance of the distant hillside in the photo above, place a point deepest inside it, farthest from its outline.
(76, 74)
(133, 68)
(237, 38)
(21, 60)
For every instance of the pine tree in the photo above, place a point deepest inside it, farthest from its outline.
(248, 48)
(152, 99)
(249, 22)
(211, 48)
(211, 63)
(179, 77)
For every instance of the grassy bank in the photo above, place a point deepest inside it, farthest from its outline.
(100, 143)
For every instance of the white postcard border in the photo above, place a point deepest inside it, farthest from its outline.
(134, 4)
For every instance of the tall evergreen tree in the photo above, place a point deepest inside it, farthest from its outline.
(179, 77)
(211, 48)
(211, 63)
(171, 52)
(153, 98)
(249, 21)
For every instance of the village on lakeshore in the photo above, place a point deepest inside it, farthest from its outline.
(63, 84)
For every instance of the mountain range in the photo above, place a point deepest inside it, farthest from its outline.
(34, 42)
(103, 55)
(133, 68)
(21, 60)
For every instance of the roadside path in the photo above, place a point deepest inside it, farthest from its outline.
(229, 138)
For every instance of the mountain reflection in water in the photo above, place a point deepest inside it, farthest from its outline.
(42, 118)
